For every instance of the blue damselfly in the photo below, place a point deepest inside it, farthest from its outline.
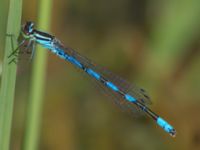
(124, 93)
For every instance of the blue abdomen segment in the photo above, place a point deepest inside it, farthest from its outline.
(112, 86)
(93, 73)
(75, 62)
(130, 98)
(166, 126)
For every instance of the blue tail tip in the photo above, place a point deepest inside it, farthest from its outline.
(166, 126)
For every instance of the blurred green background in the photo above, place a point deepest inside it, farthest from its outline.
(154, 44)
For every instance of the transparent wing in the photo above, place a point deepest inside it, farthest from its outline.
(136, 92)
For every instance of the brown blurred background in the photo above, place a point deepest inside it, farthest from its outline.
(154, 44)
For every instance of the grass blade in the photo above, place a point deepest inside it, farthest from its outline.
(9, 74)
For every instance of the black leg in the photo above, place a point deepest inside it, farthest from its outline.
(33, 50)
(17, 49)
(11, 40)
(13, 61)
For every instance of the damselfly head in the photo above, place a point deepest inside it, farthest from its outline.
(28, 28)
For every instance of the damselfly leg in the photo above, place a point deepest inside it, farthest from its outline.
(28, 48)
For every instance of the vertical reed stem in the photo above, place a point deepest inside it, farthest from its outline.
(34, 110)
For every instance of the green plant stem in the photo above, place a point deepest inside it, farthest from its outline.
(174, 32)
(9, 73)
(37, 82)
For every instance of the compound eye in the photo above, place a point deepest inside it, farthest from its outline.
(28, 27)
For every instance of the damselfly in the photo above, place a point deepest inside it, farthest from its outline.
(125, 95)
